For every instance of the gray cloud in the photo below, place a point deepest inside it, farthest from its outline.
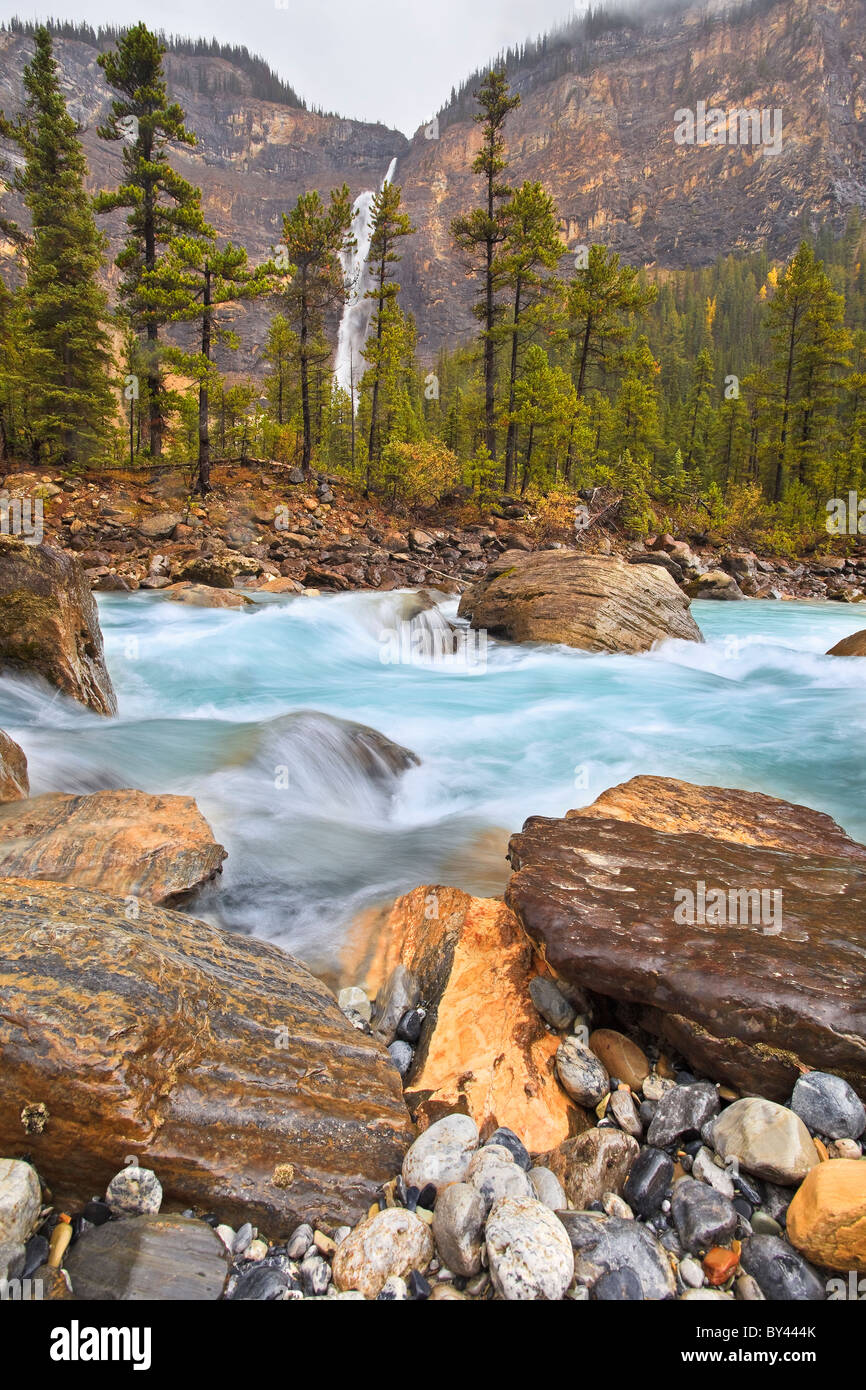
(388, 60)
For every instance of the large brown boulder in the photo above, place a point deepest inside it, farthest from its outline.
(214, 1058)
(157, 848)
(750, 989)
(49, 626)
(483, 1049)
(14, 781)
(596, 602)
(855, 645)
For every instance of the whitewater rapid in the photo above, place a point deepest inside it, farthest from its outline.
(313, 837)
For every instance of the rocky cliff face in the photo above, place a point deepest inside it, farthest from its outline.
(596, 127)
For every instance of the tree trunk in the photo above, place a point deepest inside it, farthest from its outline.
(203, 397)
(511, 439)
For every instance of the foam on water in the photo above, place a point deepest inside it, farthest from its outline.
(314, 834)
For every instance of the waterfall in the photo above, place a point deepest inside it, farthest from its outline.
(349, 364)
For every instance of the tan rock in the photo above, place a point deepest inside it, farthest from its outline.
(768, 1140)
(484, 1049)
(14, 782)
(855, 645)
(214, 1058)
(620, 1056)
(827, 1218)
(206, 596)
(592, 1164)
(597, 603)
(393, 1242)
(156, 848)
(49, 625)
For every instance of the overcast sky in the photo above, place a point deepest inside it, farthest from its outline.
(388, 60)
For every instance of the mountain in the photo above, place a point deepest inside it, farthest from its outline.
(596, 125)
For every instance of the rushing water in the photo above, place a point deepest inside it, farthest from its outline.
(313, 835)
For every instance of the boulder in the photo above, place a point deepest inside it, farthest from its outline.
(49, 626)
(155, 848)
(206, 596)
(766, 1139)
(164, 1258)
(159, 526)
(214, 1058)
(389, 1244)
(528, 1250)
(855, 645)
(14, 782)
(827, 1218)
(597, 603)
(715, 584)
(483, 1048)
(751, 993)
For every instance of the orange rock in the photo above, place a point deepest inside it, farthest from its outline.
(622, 1058)
(484, 1049)
(719, 1264)
(14, 782)
(827, 1218)
(822, 1152)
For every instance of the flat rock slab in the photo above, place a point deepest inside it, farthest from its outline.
(215, 1058)
(597, 603)
(169, 1258)
(157, 848)
(759, 997)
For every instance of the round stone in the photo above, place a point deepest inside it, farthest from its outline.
(620, 1056)
(580, 1072)
(528, 1250)
(392, 1242)
(442, 1153)
(134, 1192)
(458, 1228)
(827, 1105)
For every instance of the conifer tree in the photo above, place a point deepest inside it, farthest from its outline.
(66, 352)
(161, 204)
(482, 231)
(603, 299)
(314, 235)
(390, 225)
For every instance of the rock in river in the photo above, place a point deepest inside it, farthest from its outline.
(214, 1058)
(598, 603)
(153, 848)
(751, 993)
(49, 625)
(14, 782)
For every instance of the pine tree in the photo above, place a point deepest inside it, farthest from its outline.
(479, 233)
(66, 357)
(314, 235)
(603, 300)
(191, 283)
(280, 353)
(161, 204)
(390, 225)
(529, 255)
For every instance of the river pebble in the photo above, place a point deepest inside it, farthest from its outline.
(828, 1106)
(134, 1192)
(442, 1153)
(529, 1251)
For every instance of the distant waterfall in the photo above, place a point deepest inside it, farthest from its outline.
(349, 365)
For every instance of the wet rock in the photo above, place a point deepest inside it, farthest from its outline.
(300, 1241)
(14, 782)
(551, 1003)
(507, 1139)
(49, 625)
(398, 995)
(766, 1139)
(827, 1217)
(855, 645)
(596, 603)
(20, 1201)
(704, 1168)
(548, 1189)
(827, 1105)
(581, 1073)
(262, 1284)
(494, 1176)
(393, 1242)
(623, 1110)
(441, 1154)
(169, 1258)
(780, 1272)
(592, 1164)
(528, 1250)
(618, 1286)
(354, 1000)
(703, 1217)
(127, 843)
(749, 996)
(458, 1227)
(315, 1276)
(715, 584)
(604, 1245)
(650, 1176)
(620, 1056)
(207, 596)
(402, 1056)
(214, 1057)
(134, 1192)
(483, 1049)
(410, 1025)
(682, 1112)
